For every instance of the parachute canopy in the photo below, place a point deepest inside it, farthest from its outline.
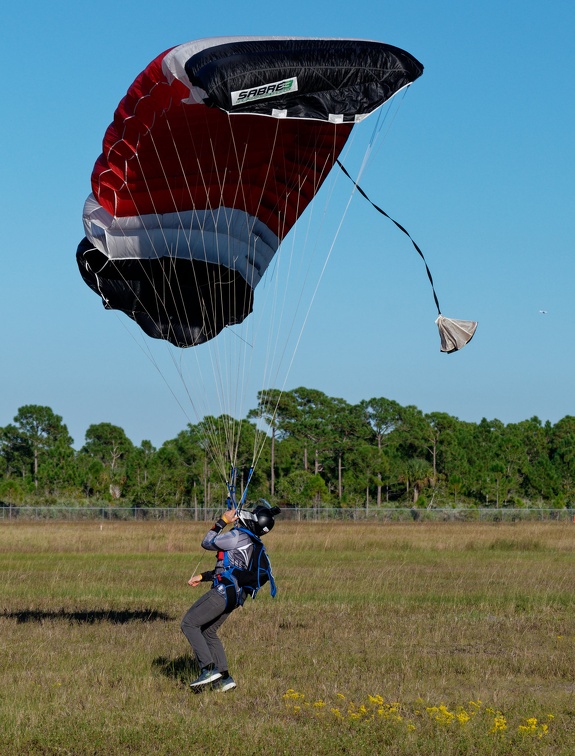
(215, 151)
(455, 334)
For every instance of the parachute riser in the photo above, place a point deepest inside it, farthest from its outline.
(231, 485)
(245, 491)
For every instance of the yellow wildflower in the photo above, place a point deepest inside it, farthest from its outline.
(463, 717)
(533, 728)
(499, 723)
(529, 726)
(376, 700)
(291, 694)
(441, 714)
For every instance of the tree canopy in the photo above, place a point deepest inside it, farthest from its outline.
(320, 451)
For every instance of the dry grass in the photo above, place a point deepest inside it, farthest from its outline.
(400, 639)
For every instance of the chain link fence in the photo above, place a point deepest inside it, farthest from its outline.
(311, 514)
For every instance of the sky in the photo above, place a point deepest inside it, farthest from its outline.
(477, 163)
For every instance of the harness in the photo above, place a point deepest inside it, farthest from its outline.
(234, 582)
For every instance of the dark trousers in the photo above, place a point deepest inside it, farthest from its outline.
(200, 626)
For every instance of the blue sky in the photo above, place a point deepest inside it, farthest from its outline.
(478, 164)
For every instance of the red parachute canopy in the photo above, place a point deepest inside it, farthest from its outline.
(215, 151)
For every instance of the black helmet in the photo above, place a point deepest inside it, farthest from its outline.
(261, 519)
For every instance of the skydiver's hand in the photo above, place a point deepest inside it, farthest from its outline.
(229, 516)
(195, 580)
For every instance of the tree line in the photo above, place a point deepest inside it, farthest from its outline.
(318, 451)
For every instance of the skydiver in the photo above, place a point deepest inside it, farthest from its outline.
(241, 568)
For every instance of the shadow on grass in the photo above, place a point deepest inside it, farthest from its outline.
(89, 617)
(182, 668)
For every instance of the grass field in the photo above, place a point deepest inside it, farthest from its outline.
(391, 639)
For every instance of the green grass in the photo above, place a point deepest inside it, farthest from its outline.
(409, 638)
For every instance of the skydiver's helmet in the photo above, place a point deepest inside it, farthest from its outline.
(261, 519)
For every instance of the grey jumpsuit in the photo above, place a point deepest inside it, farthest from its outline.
(202, 621)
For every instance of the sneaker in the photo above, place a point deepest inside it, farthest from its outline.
(206, 676)
(223, 684)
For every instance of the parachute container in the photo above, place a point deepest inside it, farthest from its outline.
(215, 151)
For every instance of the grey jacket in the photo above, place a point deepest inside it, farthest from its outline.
(237, 544)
